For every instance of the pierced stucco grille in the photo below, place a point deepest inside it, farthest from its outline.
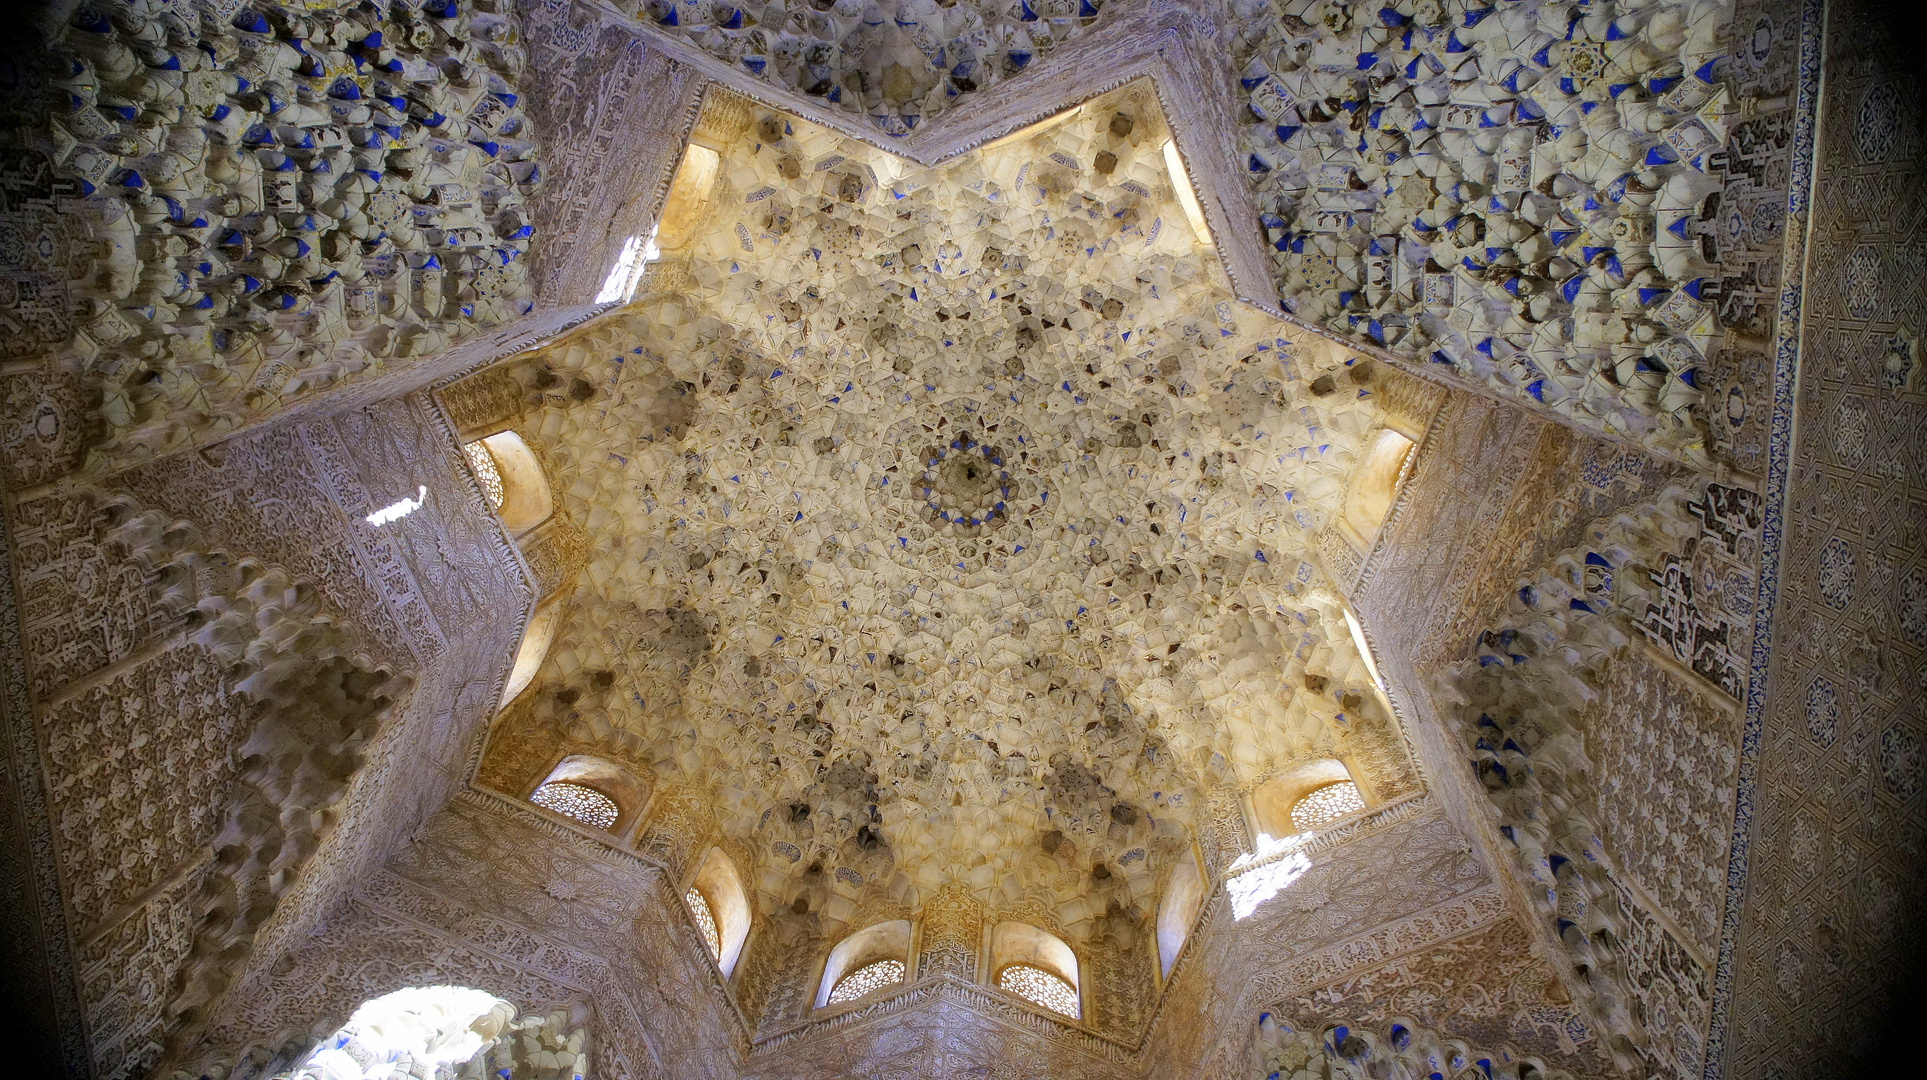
(1041, 988)
(1326, 805)
(705, 921)
(867, 979)
(585, 804)
(486, 472)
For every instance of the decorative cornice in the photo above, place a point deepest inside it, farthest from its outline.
(986, 1002)
(1463, 914)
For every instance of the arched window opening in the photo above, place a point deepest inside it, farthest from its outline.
(705, 920)
(512, 479)
(442, 1031)
(690, 194)
(872, 958)
(597, 792)
(1187, 195)
(578, 801)
(1309, 797)
(1326, 805)
(1036, 966)
(1039, 987)
(535, 646)
(867, 980)
(1375, 485)
(720, 908)
(1183, 896)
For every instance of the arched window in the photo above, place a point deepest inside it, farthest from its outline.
(1306, 798)
(1039, 987)
(691, 193)
(1183, 896)
(579, 801)
(1036, 966)
(599, 793)
(486, 473)
(866, 961)
(535, 646)
(1320, 808)
(720, 908)
(1374, 485)
(512, 480)
(867, 979)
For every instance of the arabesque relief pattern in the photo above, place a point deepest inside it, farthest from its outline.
(954, 541)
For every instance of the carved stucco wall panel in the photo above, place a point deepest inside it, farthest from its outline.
(434, 576)
(1655, 748)
(540, 889)
(572, 918)
(139, 715)
(1832, 816)
(1495, 494)
(368, 949)
(946, 1029)
(130, 968)
(173, 728)
(1513, 998)
(1667, 756)
(1496, 497)
(1341, 922)
(83, 606)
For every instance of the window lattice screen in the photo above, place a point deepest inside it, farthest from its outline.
(867, 979)
(486, 472)
(705, 921)
(1326, 805)
(1041, 988)
(585, 804)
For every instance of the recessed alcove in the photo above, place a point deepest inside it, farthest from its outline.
(862, 963)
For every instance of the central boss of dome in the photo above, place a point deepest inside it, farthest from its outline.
(965, 483)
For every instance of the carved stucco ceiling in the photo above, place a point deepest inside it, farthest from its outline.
(955, 523)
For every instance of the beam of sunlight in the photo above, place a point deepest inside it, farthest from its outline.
(400, 508)
(1255, 886)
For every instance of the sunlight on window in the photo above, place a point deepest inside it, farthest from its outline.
(1040, 987)
(705, 921)
(400, 508)
(867, 979)
(585, 804)
(1326, 805)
